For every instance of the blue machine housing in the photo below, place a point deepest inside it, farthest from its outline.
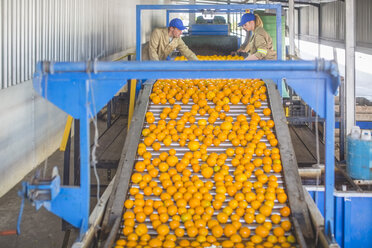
(209, 29)
(353, 217)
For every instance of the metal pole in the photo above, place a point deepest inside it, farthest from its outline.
(191, 14)
(85, 156)
(279, 33)
(167, 18)
(66, 181)
(125, 66)
(298, 32)
(291, 28)
(350, 65)
(138, 34)
(109, 114)
(329, 164)
(319, 29)
(341, 111)
(66, 161)
(228, 17)
(236, 24)
(342, 104)
(76, 152)
(132, 97)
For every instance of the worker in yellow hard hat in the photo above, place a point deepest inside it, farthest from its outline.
(164, 41)
(260, 44)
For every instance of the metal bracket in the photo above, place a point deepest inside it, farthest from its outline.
(49, 193)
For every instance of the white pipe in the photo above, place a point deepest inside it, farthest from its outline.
(291, 25)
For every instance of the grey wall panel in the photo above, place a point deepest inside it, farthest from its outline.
(332, 22)
(309, 20)
(304, 24)
(66, 30)
(364, 22)
(30, 127)
(313, 19)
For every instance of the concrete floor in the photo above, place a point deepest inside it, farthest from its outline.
(38, 228)
(41, 228)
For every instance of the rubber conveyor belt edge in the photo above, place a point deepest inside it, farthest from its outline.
(292, 180)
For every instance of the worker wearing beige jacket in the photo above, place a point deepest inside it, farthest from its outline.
(260, 44)
(164, 41)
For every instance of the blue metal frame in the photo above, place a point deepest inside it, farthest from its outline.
(219, 8)
(82, 89)
(361, 124)
(353, 217)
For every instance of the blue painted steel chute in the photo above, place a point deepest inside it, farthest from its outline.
(81, 89)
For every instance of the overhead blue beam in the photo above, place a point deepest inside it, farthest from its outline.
(103, 66)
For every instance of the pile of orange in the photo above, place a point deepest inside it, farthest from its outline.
(212, 57)
(222, 187)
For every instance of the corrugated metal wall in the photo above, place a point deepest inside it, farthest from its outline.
(309, 20)
(332, 25)
(332, 18)
(30, 127)
(63, 30)
(364, 22)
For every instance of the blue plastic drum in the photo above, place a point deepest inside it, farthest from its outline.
(359, 159)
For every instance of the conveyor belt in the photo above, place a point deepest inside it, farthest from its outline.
(235, 110)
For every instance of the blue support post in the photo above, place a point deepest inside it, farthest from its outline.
(329, 159)
(339, 219)
(84, 154)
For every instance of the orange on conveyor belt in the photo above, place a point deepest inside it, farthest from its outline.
(208, 170)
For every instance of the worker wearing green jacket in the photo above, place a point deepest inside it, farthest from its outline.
(164, 41)
(260, 44)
